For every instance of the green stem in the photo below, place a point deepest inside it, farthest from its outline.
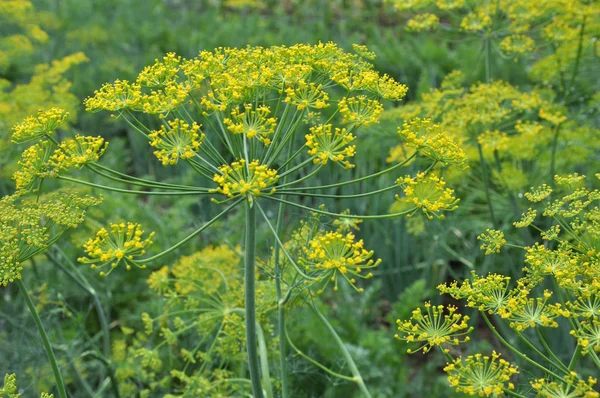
(62, 392)
(575, 358)
(355, 372)
(280, 305)
(316, 363)
(264, 361)
(85, 285)
(514, 350)
(328, 213)
(249, 281)
(558, 363)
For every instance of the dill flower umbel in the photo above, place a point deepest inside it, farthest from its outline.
(490, 293)
(328, 143)
(572, 386)
(531, 312)
(492, 241)
(333, 253)
(33, 166)
(588, 335)
(122, 242)
(40, 126)
(428, 193)
(120, 95)
(179, 140)
(481, 374)
(307, 96)
(252, 122)
(538, 194)
(420, 22)
(78, 151)
(30, 226)
(432, 142)
(239, 179)
(359, 110)
(434, 328)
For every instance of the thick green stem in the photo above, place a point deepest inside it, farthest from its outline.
(280, 310)
(264, 362)
(62, 392)
(250, 281)
(355, 372)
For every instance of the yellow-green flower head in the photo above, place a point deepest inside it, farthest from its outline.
(161, 73)
(493, 141)
(78, 152)
(333, 253)
(34, 165)
(526, 219)
(570, 181)
(122, 242)
(177, 140)
(9, 389)
(432, 141)
(538, 194)
(30, 226)
(517, 44)
(326, 143)
(120, 95)
(434, 328)
(420, 22)
(482, 375)
(364, 51)
(252, 122)
(359, 110)
(586, 306)
(449, 4)
(573, 387)
(427, 193)
(490, 293)
(40, 126)
(531, 312)
(307, 96)
(245, 179)
(492, 241)
(475, 22)
(588, 335)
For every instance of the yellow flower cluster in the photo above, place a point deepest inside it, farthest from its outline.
(122, 242)
(434, 328)
(30, 226)
(517, 44)
(307, 96)
(177, 140)
(252, 122)
(427, 193)
(78, 152)
(492, 241)
(328, 143)
(526, 219)
(573, 386)
(245, 179)
(420, 22)
(490, 293)
(483, 375)
(432, 141)
(588, 334)
(332, 253)
(234, 76)
(538, 194)
(359, 110)
(33, 166)
(40, 126)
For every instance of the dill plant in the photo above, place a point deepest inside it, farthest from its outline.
(251, 123)
(558, 290)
